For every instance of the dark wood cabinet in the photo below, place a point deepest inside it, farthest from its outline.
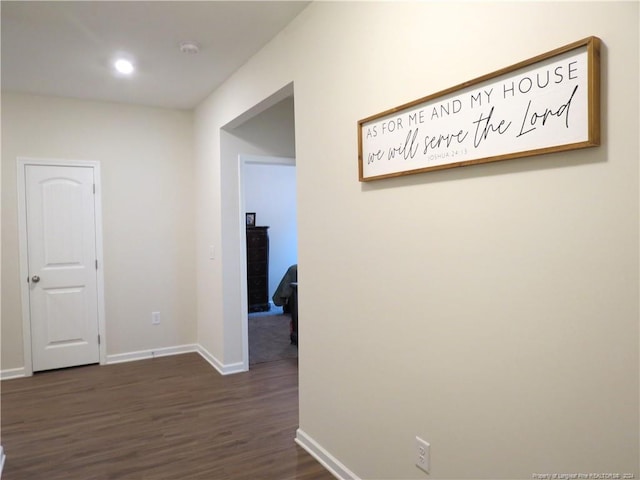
(258, 269)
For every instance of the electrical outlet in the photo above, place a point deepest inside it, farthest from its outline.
(423, 460)
(155, 318)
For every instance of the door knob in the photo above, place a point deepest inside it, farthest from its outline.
(35, 279)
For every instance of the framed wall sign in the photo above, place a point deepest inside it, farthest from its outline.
(549, 103)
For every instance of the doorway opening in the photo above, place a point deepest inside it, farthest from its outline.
(262, 138)
(269, 186)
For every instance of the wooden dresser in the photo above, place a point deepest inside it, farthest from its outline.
(258, 269)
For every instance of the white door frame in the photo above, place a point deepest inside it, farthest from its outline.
(24, 265)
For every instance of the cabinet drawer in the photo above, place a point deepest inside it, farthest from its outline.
(256, 282)
(257, 255)
(256, 240)
(258, 268)
(257, 297)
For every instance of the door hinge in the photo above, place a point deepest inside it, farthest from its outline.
(96, 264)
(94, 188)
(98, 339)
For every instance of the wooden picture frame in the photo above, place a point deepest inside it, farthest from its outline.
(251, 219)
(548, 103)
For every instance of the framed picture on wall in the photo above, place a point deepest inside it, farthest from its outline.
(545, 104)
(251, 219)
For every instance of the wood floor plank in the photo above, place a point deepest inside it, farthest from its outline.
(169, 418)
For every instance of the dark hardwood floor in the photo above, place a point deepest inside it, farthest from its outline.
(170, 418)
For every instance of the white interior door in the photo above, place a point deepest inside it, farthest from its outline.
(62, 265)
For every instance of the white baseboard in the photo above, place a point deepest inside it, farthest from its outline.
(223, 369)
(10, 373)
(328, 461)
(218, 365)
(153, 353)
(2, 459)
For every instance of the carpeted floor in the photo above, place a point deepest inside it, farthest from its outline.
(269, 338)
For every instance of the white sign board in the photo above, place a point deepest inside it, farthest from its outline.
(545, 104)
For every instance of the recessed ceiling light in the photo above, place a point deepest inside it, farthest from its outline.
(123, 66)
(189, 47)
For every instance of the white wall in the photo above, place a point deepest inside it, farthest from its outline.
(146, 157)
(272, 129)
(221, 308)
(493, 309)
(270, 191)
